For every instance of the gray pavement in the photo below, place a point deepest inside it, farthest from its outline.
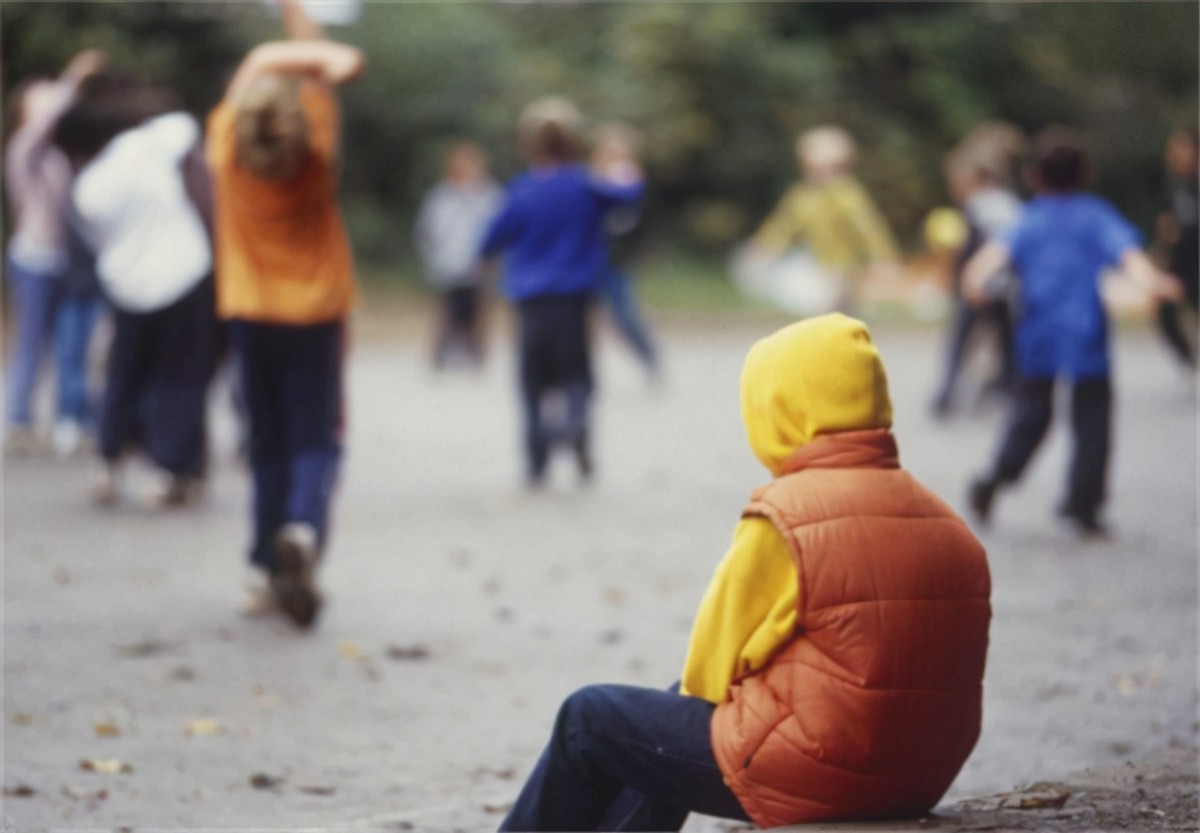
(463, 609)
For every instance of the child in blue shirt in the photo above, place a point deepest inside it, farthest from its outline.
(1063, 242)
(551, 229)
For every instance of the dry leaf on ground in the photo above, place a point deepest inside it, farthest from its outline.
(105, 766)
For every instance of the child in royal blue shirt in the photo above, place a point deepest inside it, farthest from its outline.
(1063, 242)
(551, 230)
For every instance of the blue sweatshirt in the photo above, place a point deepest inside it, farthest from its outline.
(552, 230)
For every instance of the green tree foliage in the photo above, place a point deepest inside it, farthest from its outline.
(720, 90)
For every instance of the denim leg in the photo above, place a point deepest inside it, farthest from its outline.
(965, 316)
(125, 382)
(312, 412)
(617, 290)
(578, 395)
(34, 297)
(625, 758)
(266, 452)
(1030, 414)
(1091, 424)
(74, 323)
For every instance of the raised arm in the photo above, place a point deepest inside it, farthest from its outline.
(321, 60)
(297, 22)
(1138, 266)
(986, 262)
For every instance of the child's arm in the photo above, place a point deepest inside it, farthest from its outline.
(1137, 265)
(986, 262)
(748, 612)
(297, 23)
(323, 60)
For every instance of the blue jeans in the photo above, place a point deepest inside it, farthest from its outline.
(291, 381)
(625, 758)
(615, 288)
(73, 325)
(34, 298)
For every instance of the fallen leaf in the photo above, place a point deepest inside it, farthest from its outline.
(85, 793)
(182, 674)
(22, 719)
(144, 648)
(615, 596)
(203, 726)
(311, 790)
(262, 781)
(499, 805)
(20, 791)
(1126, 684)
(105, 766)
(350, 650)
(1037, 797)
(106, 730)
(612, 636)
(407, 652)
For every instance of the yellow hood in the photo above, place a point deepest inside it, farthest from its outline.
(818, 376)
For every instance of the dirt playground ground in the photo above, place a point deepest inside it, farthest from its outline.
(462, 609)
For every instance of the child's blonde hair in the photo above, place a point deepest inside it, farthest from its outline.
(549, 129)
(271, 130)
(827, 148)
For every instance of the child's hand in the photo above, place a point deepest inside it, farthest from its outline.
(1169, 288)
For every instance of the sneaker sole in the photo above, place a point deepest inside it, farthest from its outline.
(293, 584)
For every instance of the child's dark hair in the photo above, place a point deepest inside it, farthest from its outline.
(109, 103)
(1060, 162)
(548, 131)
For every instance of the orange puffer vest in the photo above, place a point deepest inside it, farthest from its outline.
(873, 706)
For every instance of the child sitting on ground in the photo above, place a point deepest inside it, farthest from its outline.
(836, 663)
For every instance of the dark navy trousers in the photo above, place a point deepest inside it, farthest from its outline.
(160, 365)
(291, 383)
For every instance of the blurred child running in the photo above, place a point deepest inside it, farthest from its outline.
(38, 179)
(154, 262)
(980, 181)
(830, 216)
(836, 662)
(1064, 240)
(616, 145)
(286, 285)
(450, 224)
(551, 231)
(1179, 230)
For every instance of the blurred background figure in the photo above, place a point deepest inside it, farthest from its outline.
(130, 143)
(449, 227)
(39, 254)
(616, 146)
(1063, 241)
(551, 231)
(1176, 231)
(826, 225)
(286, 286)
(980, 175)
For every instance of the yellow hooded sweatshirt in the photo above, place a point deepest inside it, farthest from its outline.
(815, 377)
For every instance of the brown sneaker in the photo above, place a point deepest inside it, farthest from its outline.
(293, 582)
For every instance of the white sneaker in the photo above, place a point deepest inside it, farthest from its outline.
(171, 490)
(260, 596)
(106, 483)
(67, 437)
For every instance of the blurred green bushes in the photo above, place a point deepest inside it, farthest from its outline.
(720, 90)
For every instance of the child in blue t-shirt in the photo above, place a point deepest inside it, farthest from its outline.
(551, 231)
(1063, 242)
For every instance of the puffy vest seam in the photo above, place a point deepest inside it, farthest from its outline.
(874, 689)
